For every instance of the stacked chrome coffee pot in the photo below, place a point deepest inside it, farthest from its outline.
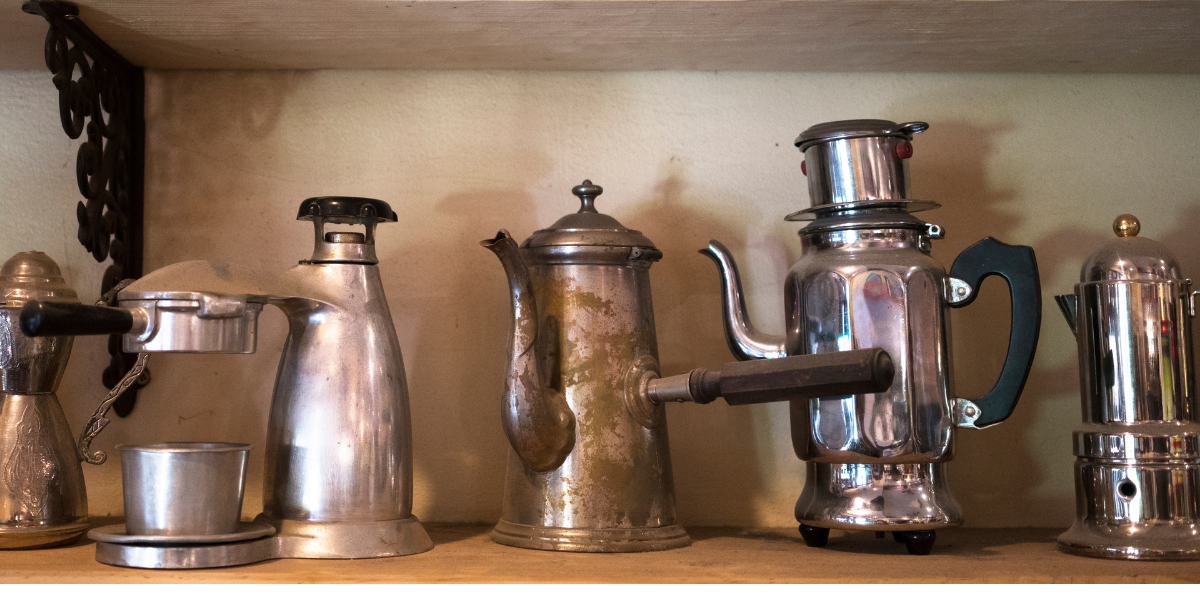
(877, 461)
(1137, 472)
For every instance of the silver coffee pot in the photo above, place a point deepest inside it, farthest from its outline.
(42, 497)
(582, 409)
(1137, 471)
(878, 461)
(338, 473)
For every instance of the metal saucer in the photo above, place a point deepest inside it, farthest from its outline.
(115, 534)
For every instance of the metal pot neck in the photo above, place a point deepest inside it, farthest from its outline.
(862, 239)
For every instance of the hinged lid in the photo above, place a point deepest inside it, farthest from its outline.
(587, 226)
(1130, 258)
(857, 128)
(29, 276)
(589, 236)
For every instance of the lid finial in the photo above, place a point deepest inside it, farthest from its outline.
(587, 193)
(1126, 226)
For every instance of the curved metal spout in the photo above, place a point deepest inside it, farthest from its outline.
(744, 340)
(537, 419)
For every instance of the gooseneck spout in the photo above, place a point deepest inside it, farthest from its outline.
(745, 341)
(537, 419)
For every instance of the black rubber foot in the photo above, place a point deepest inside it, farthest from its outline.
(919, 543)
(815, 537)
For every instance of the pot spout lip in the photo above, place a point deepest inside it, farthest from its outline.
(491, 242)
(1069, 305)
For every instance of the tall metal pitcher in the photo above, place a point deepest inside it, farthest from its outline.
(878, 461)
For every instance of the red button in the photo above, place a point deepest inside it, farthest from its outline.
(804, 167)
(904, 150)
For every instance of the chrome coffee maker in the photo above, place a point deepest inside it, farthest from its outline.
(590, 467)
(1137, 471)
(877, 461)
(338, 473)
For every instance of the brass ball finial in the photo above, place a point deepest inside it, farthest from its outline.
(1127, 226)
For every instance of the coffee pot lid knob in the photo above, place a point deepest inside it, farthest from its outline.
(587, 192)
(31, 276)
(1126, 225)
(1130, 258)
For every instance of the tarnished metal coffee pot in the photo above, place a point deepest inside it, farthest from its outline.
(42, 496)
(1137, 471)
(878, 461)
(590, 469)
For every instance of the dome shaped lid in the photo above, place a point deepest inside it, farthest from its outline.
(1130, 258)
(588, 227)
(29, 276)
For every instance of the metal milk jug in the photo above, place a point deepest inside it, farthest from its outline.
(878, 461)
(1137, 472)
(590, 469)
(42, 497)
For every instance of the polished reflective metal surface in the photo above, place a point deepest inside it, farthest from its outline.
(338, 468)
(857, 161)
(42, 497)
(895, 497)
(183, 488)
(1138, 449)
(865, 279)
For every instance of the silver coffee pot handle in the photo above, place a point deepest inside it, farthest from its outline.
(99, 421)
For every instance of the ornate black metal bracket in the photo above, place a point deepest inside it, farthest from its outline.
(102, 93)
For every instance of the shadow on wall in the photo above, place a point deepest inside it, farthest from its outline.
(714, 448)
(950, 167)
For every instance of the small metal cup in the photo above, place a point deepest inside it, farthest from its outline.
(183, 488)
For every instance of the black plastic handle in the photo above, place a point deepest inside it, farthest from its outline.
(59, 318)
(346, 210)
(1018, 266)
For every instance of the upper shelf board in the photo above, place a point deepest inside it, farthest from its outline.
(1041, 36)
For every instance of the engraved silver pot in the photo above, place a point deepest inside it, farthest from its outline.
(42, 497)
(878, 461)
(1137, 468)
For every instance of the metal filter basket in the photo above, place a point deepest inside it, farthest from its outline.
(183, 488)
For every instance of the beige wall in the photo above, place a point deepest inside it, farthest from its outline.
(1041, 160)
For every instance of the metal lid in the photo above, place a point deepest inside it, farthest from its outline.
(1130, 258)
(29, 276)
(858, 128)
(587, 227)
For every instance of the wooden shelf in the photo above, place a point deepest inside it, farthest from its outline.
(465, 555)
(1050, 36)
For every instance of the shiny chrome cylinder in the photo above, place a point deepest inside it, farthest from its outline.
(1135, 352)
(857, 161)
(865, 288)
(614, 492)
(183, 488)
(1138, 511)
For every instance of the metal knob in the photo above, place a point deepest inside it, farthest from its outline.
(587, 192)
(1127, 226)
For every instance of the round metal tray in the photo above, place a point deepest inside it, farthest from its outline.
(115, 534)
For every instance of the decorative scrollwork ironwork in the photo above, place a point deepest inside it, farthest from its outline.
(101, 94)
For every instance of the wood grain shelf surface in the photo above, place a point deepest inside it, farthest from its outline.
(464, 554)
(1044, 36)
